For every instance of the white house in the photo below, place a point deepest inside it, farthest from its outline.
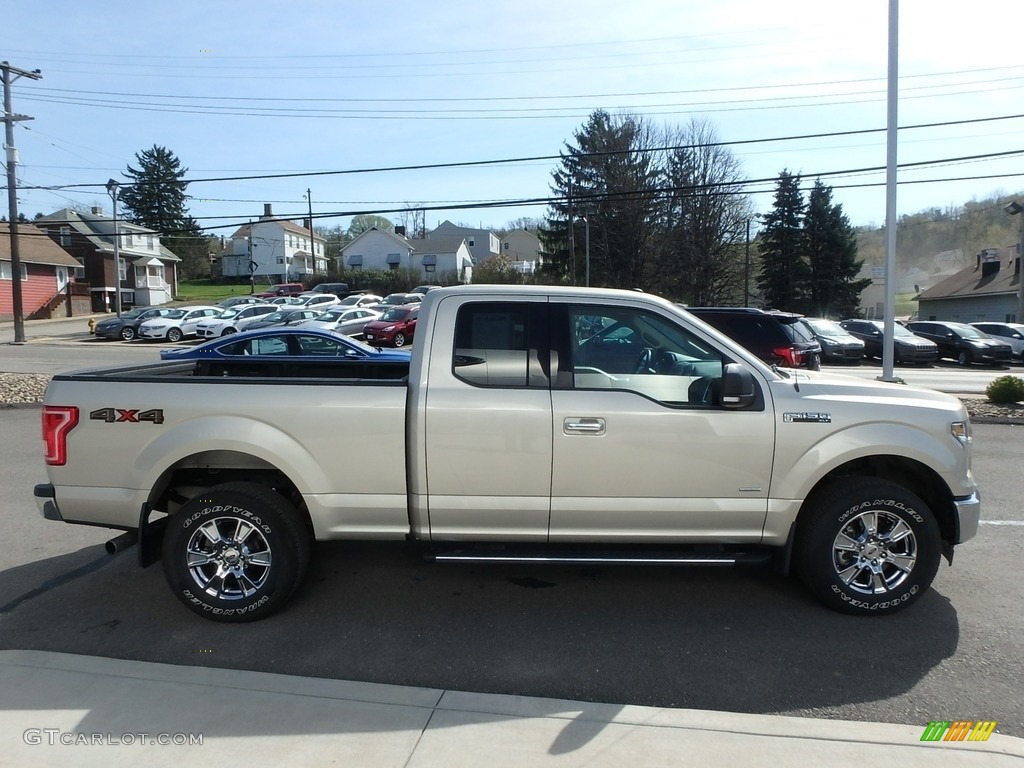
(279, 249)
(381, 250)
(523, 249)
(482, 242)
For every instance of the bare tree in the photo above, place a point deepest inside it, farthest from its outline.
(701, 258)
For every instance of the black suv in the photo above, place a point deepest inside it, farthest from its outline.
(775, 337)
(962, 342)
(341, 290)
(907, 347)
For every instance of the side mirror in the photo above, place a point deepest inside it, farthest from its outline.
(738, 387)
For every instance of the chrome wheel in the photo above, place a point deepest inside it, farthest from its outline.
(874, 553)
(229, 558)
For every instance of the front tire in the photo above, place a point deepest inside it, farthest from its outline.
(399, 339)
(964, 359)
(127, 334)
(235, 552)
(867, 546)
(174, 334)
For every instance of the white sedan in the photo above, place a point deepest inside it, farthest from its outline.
(343, 320)
(233, 319)
(318, 300)
(177, 323)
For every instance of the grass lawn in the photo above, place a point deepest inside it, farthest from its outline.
(211, 291)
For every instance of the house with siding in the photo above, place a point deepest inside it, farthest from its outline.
(431, 257)
(147, 274)
(482, 243)
(279, 248)
(986, 290)
(523, 249)
(47, 276)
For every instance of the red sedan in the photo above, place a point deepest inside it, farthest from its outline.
(394, 328)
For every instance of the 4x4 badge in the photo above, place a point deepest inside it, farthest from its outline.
(807, 418)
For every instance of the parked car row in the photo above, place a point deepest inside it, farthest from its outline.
(795, 341)
(392, 323)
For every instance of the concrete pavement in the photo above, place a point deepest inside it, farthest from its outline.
(61, 709)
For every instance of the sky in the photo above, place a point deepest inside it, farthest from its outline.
(364, 104)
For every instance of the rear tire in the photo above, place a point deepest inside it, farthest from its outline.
(235, 552)
(867, 546)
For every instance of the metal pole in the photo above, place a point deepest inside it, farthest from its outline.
(746, 271)
(586, 221)
(312, 246)
(1020, 264)
(890, 194)
(12, 197)
(112, 188)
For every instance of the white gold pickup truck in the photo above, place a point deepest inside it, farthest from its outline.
(540, 423)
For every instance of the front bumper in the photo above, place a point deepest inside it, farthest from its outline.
(968, 516)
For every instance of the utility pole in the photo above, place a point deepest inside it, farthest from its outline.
(312, 245)
(572, 237)
(12, 194)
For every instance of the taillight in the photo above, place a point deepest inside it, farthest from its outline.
(790, 355)
(58, 420)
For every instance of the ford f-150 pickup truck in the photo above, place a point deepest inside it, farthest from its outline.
(537, 423)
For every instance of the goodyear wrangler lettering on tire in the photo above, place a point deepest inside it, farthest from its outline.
(867, 546)
(236, 552)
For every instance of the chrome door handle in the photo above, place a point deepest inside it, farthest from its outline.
(583, 426)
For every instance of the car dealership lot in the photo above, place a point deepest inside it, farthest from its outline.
(736, 640)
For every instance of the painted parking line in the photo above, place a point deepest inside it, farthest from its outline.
(1002, 522)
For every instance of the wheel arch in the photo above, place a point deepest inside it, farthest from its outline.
(915, 476)
(192, 474)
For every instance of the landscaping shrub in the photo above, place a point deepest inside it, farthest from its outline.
(1006, 389)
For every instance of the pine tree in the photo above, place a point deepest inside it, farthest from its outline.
(832, 257)
(611, 177)
(782, 244)
(156, 199)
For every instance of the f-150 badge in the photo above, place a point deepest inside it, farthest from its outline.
(807, 418)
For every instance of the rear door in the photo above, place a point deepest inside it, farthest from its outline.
(480, 441)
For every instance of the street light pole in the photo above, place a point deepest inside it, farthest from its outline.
(586, 236)
(1016, 209)
(112, 189)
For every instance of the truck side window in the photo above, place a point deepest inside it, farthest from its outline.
(497, 343)
(639, 351)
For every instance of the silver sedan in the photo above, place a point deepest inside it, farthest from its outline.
(343, 320)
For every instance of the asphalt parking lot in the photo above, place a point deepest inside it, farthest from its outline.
(734, 640)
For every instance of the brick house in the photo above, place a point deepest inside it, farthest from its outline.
(148, 274)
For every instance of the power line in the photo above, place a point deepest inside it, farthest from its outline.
(536, 158)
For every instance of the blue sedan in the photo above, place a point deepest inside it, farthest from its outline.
(282, 344)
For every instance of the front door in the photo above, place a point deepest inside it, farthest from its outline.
(639, 451)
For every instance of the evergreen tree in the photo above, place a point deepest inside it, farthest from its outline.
(156, 199)
(782, 244)
(610, 177)
(832, 257)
